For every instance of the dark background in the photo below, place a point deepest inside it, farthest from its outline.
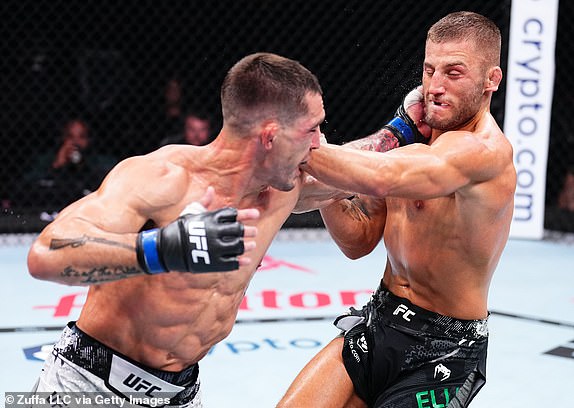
(108, 63)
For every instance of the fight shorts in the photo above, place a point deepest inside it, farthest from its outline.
(80, 364)
(399, 355)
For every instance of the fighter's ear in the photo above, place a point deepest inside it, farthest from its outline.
(268, 133)
(494, 79)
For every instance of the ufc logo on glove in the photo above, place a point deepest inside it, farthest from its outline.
(182, 245)
(197, 237)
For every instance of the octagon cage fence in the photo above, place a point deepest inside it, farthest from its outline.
(129, 72)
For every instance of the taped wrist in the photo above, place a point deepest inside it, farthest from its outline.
(404, 128)
(148, 255)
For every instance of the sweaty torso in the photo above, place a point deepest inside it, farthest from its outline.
(170, 321)
(442, 252)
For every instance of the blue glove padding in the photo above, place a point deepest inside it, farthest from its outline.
(206, 242)
(402, 126)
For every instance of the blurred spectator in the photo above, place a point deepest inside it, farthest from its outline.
(171, 120)
(566, 196)
(196, 130)
(56, 178)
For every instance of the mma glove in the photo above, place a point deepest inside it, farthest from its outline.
(207, 241)
(402, 126)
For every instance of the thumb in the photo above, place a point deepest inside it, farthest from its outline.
(208, 197)
(413, 97)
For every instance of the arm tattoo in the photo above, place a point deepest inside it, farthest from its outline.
(356, 208)
(381, 141)
(100, 274)
(81, 241)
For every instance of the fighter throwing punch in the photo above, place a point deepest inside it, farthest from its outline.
(444, 211)
(158, 300)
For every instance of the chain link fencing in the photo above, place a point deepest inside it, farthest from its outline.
(127, 74)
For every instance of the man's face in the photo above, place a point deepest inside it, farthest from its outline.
(293, 144)
(453, 83)
(196, 131)
(77, 135)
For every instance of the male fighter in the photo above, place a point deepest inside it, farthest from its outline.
(444, 211)
(158, 299)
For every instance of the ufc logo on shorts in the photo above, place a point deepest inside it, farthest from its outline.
(405, 311)
(139, 384)
(196, 231)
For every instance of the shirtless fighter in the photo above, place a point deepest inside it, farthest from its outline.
(443, 210)
(156, 304)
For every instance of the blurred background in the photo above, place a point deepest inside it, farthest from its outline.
(88, 83)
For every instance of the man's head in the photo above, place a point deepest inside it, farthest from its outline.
(461, 68)
(197, 128)
(76, 133)
(265, 85)
(279, 102)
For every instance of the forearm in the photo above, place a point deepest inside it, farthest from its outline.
(355, 224)
(315, 195)
(347, 169)
(382, 140)
(82, 256)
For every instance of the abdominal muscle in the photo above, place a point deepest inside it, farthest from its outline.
(431, 264)
(167, 322)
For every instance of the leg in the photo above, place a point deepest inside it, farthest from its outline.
(323, 382)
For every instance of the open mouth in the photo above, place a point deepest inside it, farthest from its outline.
(438, 103)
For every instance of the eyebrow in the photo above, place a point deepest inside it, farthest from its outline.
(319, 123)
(450, 64)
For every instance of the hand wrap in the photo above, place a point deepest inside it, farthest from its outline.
(205, 242)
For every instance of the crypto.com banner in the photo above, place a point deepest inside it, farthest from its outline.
(529, 85)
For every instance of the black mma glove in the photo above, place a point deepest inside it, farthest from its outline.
(203, 242)
(402, 126)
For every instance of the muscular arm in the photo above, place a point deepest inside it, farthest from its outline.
(316, 195)
(93, 240)
(416, 171)
(357, 224)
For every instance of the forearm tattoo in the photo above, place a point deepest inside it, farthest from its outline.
(98, 274)
(78, 242)
(381, 141)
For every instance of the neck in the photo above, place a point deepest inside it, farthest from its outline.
(233, 168)
(467, 126)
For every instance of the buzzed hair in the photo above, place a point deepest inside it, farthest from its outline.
(469, 26)
(265, 85)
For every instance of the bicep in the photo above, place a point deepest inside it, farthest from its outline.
(356, 225)
(448, 165)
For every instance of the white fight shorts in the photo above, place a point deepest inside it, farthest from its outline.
(82, 367)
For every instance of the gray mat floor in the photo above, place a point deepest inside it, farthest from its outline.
(286, 318)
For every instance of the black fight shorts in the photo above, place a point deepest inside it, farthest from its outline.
(399, 355)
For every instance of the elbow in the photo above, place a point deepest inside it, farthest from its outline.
(356, 252)
(352, 254)
(37, 266)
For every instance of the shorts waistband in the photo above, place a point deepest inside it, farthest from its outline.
(404, 313)
(95, 357)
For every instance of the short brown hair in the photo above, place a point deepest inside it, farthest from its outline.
(265, 85)
(466, 25)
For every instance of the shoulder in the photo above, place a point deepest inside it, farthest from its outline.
(164, 161)
(158, 178)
